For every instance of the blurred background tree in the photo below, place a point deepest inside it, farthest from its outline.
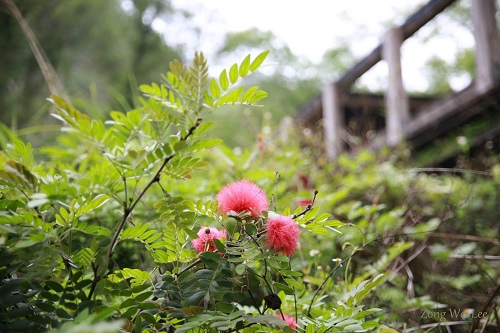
(98, 50)
(102, 50)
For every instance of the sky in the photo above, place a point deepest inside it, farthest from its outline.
(312, 27)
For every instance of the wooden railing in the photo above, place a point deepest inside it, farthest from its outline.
(399, 125)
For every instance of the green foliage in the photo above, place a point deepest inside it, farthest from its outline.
(98, 234)
(76, 39)
(82, 206)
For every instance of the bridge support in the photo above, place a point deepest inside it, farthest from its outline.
(333, 120)
(397, 103)
(487, 45)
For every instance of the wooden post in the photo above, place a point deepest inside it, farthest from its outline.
(333, 119)
(487, 45)
(397, 103)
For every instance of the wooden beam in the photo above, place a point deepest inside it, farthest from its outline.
(409, 27)
(397, 104)
(333, 119)
(423, 16)
(440, 116)
(487, 45)
(361, 67)
(442, 110)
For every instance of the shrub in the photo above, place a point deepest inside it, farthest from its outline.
(145, 223)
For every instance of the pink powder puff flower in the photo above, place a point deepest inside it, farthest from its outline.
(242, 196)
(205, 240)
(282, 234)
(290, 320)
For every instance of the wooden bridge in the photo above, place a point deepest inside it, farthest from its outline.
(395, 117)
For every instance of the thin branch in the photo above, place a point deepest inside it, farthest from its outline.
(308, 207)
(421, 247)
(451, 170)
(497, 318)
(324, 282)
(194, 263)
(465, 237)
(128, 211)
(475, 323)
(253, 299)
(474, 257)
(49, 73)
(248, 269)
(95, 280)
(155, 179)
(294, 296)
(433, 325)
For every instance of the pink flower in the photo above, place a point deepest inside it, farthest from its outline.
(205, 240)
(290, 320)
(242, 196)
(282, 234)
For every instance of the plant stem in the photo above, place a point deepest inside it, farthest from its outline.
(308, 207)
(94, 281)
(155, 179)
(475, 324)
(194, 263)
(322, 284)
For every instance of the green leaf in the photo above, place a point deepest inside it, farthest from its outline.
(257, 97)
(18, 174)
(93, 204)
(144, 296)
(139, 288)
(82, 284)
(61, 313)
(45, 306)
(311, 328)
(214, 89)
(233, 73)
(464, 281)
(385, 329)
(236, 259)
(54, 286)
(248, 94)
(420, 231)
(32, 240)
(245, 66)
(223, 81)
(240, 269)
(231, 98)
(465, 249)
(103, 313)
(179, 145)
(226, 308)
(370, 324)
(135, 231)
(220, 246)
(130, 312)
(282, 258)
(258, 61)
(148, 305)
(207, 98)
(440, 252)
(37, 200)
(354, 327)
(209, 257)
(286, 289)
(205, 127)
(127, 303)
(148, 317)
